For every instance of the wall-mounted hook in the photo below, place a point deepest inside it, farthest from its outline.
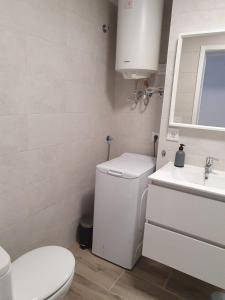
(161, 92)
(105, 28)
(163, 153)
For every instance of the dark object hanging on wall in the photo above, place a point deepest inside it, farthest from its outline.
(156, 137)
(105, 28)
(109, 140)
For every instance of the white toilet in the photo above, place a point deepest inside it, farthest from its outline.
(42, 274)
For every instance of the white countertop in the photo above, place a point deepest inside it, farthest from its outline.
(191, 178)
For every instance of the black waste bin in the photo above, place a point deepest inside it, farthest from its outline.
(85, 232)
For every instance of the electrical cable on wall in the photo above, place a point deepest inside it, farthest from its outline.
(108, 141)
(155, 142)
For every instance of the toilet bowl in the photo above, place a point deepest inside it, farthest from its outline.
(42, 274)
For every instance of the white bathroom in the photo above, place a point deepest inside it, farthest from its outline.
(112, 160)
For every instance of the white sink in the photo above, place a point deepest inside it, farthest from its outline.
(191, 178)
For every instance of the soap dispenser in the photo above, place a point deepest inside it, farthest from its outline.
(180, 157)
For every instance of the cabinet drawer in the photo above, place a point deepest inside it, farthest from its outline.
(186, 254)
(195, 215)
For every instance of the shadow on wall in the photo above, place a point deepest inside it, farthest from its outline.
(106, 57)
(110, 40)
(165, 31)
(87, 207)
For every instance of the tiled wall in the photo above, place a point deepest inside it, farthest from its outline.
(132, 130)
(56, 100)
(191, 16)
(133, 125)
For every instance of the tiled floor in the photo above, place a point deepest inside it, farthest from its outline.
(97, 279)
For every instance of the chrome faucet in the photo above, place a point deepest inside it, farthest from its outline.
(209, 165)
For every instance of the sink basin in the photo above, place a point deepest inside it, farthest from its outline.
(216, 180)
(191, 178)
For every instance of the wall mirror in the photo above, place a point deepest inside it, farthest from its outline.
(198, 94)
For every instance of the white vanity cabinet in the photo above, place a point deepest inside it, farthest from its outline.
(187, 232)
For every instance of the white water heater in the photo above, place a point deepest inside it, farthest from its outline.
(138, 37)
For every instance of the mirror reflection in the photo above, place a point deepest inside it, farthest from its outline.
(199, 96)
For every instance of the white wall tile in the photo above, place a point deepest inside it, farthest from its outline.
(13, 207)
(45, 19)
(12, 71)
(13, 171)
(46, 60)
(44, 130)
(17, 239)
(81, 34)
(13, 132)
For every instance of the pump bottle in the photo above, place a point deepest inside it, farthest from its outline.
(180, 157)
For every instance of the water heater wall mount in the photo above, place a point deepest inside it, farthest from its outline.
(138, 37)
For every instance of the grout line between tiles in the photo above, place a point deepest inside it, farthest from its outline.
(165, 284)
(167, 279)
(171, 292)
(118, 278)
(163, 287)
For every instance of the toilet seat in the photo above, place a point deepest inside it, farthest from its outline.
(41, 273)
(62, 291)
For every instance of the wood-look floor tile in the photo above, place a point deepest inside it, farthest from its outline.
(151, 271)
(131, 287)
(95, 269)
(190, 288)
(84, 289)
(97, 279)
(70, 295)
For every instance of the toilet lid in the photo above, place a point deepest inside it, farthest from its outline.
(39, 273)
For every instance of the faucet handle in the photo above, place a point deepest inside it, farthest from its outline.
(210, 160)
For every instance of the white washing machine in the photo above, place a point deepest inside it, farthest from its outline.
(120, 205)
